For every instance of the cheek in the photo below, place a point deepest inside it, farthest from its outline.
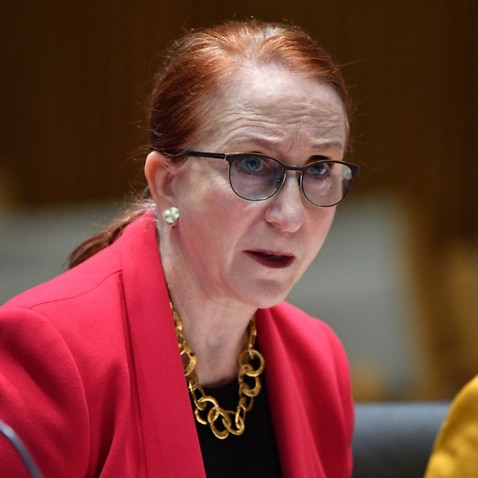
(195, 192)
(210, 211)
(317, 233)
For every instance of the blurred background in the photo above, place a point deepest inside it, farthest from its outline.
(398, 276)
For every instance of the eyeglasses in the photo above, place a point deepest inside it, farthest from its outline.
(257, 177)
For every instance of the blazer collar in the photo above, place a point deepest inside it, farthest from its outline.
(170, 440)
(294, 435)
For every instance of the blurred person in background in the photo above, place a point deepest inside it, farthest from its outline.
(455, 454)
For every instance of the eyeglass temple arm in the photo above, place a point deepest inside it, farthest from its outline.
(188, 152)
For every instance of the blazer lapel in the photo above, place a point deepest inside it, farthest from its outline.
(294, 436)
(170, 440)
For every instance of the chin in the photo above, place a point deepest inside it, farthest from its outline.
(267, 298)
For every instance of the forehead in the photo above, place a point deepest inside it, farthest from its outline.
(276, 105)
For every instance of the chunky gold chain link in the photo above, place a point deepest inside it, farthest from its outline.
(206, 408)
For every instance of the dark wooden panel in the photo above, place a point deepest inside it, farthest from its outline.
(77, 74)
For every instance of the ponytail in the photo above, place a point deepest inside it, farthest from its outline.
(108, 235)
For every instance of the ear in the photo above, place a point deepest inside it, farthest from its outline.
(159, 174)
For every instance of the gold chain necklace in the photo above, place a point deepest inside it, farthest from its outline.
(206, 408)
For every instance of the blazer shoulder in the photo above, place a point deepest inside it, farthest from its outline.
(295, 320)
(73, 283)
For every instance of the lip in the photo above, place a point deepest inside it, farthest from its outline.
(273, 260)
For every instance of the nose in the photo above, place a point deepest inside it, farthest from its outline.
(286, 208)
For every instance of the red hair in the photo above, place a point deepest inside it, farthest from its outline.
(201, 62)
(195, 69)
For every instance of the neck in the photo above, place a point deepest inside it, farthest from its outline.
(214, 327)
(216, 353)
(251, 365)
(216, 345)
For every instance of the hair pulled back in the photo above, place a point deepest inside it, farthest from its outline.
(194, 71)
(199, 64)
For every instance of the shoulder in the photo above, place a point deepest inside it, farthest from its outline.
(305, 340)
(90, 283)
(455, 452)
(85, 305)
(303, 353)
(297, 325)
(67, 323)
(73, 303)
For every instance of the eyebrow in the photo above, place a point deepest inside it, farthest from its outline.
(329, 144)
(326, 144)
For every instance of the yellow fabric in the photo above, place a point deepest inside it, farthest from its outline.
(455, 454)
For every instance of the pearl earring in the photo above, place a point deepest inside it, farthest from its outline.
(171, 215)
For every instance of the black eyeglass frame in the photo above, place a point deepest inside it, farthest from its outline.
(354, 169)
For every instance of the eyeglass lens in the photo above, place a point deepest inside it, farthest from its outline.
(256, 177)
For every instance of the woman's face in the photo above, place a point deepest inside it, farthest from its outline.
(254, 252)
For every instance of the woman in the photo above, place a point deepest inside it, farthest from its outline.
(249, 127)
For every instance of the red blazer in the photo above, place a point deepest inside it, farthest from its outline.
(92, 381)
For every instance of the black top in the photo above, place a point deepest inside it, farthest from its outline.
(252, 454)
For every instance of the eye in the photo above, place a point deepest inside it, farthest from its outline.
(319, 170)
(251, 164)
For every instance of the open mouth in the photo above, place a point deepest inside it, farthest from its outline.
(272, 260)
